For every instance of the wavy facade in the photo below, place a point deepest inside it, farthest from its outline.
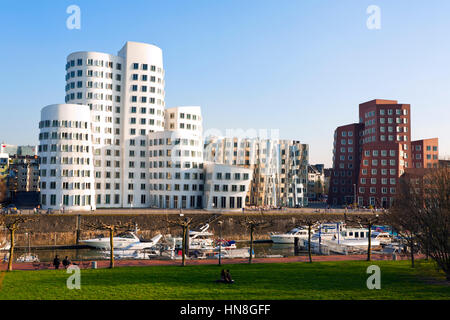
(279, 168)
(125, 93)
(176, 160)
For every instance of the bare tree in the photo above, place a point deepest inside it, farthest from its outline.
(3, 190)
(311, 222)
(112, 228)
(368, 222)
(422, 209)
(253, 223)
(184, 223)
(401, 219)
(13, 223)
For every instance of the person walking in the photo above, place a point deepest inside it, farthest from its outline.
(56, 262)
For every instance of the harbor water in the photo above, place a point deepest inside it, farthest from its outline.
(47, 255)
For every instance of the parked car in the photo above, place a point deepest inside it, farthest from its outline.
(12, 208)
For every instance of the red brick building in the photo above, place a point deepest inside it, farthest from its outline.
(384, 152)
(346, 160)
(425, 153)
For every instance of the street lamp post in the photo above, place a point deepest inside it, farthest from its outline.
(354, 196)
(220, 243)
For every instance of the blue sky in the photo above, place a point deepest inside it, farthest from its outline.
(298, 66)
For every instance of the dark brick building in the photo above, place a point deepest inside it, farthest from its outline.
(382, 150)
(346, 161)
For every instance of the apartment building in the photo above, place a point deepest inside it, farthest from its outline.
(425, 153)
(383, 154)
(316, 182)
(346, 162)
(66, 158)
(176, 170)
(19, 170)
(24, 173)
(226, 186)
(125, 96)
(114, 145)
(279, 167)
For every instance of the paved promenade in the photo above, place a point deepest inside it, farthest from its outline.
(201, 211)
(146, 263)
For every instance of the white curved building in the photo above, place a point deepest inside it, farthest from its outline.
(66, 161)
(114, 145)
(125, 94)
(176, 160)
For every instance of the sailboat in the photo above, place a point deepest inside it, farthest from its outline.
(28, 257)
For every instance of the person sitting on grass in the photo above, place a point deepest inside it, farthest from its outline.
(225, 277)
(56, 262)
(222, 276)
(228, 278)
(66, 262)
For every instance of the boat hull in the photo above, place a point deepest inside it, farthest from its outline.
(105, 244)
(284, 239)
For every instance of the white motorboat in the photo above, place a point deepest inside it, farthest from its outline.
(138, 250)
(134, 254)
(289, 237)
(28, 257)
(235, 253)
(198, 240)
(142, 245)
(393, 248)
(352, 237)
(384, 237)
(361, 243)
(346, 241)
(225, 245)
(121, 241)
(201, 240)
(328, 231)
(202, 245)
(125, 241)
(5, 246)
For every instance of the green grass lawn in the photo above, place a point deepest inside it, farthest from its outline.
(320, 280)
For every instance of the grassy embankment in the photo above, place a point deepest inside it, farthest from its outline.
(320, 280)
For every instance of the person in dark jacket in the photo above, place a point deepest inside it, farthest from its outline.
(66, 262)
(56, 262)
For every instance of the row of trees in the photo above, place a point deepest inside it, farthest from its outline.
(421, 214)
(252, 223)
(13, 223)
